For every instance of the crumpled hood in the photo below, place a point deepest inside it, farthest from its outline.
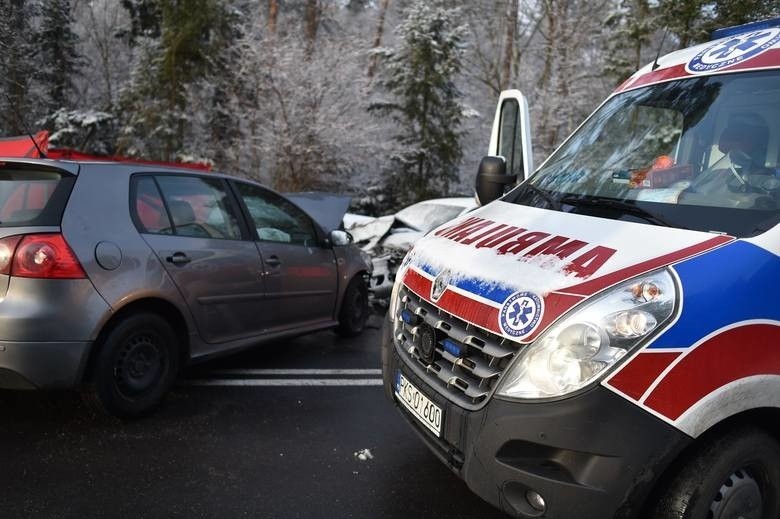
(327, 209)
(368, 233)
(488, 256)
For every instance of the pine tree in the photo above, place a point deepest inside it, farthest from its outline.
(692, 21)
(737, 12)
(193, 35)
(630, 28)
(145, 19)
(59, 59)
(18, 108)
(421, 75)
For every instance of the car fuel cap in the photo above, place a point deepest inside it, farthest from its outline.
(108, 255)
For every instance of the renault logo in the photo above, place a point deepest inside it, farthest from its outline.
(440, 284)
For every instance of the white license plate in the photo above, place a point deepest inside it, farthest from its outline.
(428, 413)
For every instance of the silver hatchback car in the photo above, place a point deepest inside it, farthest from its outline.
(113, 276)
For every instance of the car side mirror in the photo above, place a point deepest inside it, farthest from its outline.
(338, 237)
(492, 179)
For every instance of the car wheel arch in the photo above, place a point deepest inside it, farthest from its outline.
(155, 305)
(766, 419)
(343, 288)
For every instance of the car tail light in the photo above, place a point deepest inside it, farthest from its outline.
(7, 249)
(42, 256)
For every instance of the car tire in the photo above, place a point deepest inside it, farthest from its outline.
(136, 365)
(354, 309)
(736, 474)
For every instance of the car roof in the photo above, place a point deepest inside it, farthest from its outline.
(68, 166)
(73, 166)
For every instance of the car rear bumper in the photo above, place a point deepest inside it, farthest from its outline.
(47, 327)
(42, 365)
(590, 455)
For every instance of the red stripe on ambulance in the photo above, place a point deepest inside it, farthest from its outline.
(736, 353)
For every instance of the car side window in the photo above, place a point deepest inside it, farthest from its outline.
(275, 218)
(150, 213)
(199, 207)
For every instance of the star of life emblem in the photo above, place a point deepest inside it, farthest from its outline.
(520, 314)
(731, 51)
(440, 284)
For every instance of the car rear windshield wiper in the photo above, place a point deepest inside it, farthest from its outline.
(619, 205)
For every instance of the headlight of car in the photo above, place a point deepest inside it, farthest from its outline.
(578, 349)
(392, 311)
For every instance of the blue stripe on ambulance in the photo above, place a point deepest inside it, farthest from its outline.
(734, 283)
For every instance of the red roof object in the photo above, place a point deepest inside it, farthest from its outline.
(23, 146)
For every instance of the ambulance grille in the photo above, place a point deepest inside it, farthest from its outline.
(466, 362)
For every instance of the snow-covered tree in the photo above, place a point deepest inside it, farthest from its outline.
(692, 21)
(18, 53)
(103, 29)
(90, 131)
(569, 82)
(630, 28)
(421, 74)
(157, 115)
(58, 59)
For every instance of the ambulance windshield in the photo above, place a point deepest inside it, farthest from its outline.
(699, 153)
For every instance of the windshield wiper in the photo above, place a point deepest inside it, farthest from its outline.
(555, 204)
(620, 205)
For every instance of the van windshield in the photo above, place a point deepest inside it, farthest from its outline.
(699, 153)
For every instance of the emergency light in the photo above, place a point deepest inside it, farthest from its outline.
(748, 27)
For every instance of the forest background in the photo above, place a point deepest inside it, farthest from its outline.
(388, 100)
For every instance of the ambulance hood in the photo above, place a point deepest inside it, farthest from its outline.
(487, 256)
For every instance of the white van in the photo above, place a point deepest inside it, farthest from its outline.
(603, 340)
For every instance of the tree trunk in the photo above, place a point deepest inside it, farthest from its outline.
(380, 29)
(312, 21)
(273, 15)
(509, 43)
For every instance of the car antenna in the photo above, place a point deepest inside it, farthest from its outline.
(27, 128)
(35, 143)
(658, 54)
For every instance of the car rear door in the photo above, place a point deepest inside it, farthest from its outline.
(301, 275)
(195, 228)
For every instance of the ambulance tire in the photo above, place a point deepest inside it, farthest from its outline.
(726, 477)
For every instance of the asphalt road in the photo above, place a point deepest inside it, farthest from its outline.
(272, 432)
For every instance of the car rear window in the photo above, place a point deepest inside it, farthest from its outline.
(32, 196)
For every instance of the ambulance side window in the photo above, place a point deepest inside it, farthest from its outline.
(509, 137)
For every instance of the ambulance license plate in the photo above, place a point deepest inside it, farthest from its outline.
(421, 407)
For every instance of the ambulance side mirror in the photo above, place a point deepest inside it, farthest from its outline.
(492, 179)
(510, 139)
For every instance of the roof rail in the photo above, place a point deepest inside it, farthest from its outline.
(748, 27)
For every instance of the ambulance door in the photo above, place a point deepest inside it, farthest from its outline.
(511, 135)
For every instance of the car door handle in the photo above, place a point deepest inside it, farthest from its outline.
(178, 258)
(273, 261)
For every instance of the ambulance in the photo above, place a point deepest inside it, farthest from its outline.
(601, 338)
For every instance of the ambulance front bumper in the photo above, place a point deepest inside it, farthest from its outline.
(594, 455)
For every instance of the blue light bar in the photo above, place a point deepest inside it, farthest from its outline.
(748, 27)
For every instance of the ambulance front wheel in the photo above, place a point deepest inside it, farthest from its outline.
(736, 474)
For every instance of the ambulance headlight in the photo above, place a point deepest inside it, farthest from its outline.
(392, 311)
(593, 337)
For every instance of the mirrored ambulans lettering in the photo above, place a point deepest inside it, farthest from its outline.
(584, 259)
